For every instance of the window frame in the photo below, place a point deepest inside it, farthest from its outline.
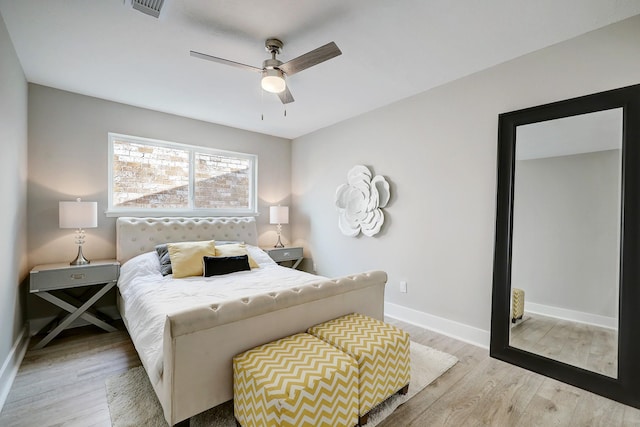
(113, 211)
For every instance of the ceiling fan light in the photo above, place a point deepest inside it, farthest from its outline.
(273, 81)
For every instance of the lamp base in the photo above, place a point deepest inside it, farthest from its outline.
(279, 243)
(80, 259)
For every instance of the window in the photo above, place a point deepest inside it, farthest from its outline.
(158, 177)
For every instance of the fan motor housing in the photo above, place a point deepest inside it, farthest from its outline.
(270, 64)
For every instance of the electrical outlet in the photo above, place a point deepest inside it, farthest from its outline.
(403, 286)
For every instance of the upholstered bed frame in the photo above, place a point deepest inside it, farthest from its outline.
(199, 343)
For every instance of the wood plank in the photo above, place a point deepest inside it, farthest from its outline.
(468, 359)
(506, 405)
(63, 384)
(631, 416)
(594, 411)
(554, 404)
(586, 346)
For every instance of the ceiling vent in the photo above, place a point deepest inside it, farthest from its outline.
(150, 7)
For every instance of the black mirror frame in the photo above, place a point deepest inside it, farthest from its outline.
(626, 387)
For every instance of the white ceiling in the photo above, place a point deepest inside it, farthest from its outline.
(391, 50)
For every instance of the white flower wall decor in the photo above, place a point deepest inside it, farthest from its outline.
(359, 202)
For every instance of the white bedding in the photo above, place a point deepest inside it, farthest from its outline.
(148, 296)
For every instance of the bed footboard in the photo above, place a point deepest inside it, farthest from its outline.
(199, 344)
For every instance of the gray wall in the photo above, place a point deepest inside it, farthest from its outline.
(566, 218)
(13, 187)
(68, 150)
(438, 149)
(68, 159)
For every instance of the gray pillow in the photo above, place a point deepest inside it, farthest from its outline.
(165, 260)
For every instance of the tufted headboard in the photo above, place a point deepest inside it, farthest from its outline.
(135, 236)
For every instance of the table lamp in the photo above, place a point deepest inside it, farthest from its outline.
(279, 215)
(78, 215)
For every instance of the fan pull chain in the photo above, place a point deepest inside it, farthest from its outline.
(262, 104)
(285, 112)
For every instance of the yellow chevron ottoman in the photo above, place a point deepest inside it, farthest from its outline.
(382, 353)
(295, 381)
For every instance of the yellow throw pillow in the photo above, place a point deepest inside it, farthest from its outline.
(235, 250)
(186, 257)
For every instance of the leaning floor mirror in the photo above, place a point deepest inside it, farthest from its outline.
(566, 283)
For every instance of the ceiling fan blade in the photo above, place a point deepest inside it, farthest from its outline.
(285, 96)
(309, 59)
(224, 61)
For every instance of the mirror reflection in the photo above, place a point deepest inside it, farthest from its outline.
(566, 240)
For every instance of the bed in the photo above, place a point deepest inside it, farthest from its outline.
(186, 340)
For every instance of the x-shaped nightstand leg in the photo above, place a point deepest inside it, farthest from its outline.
(74, 313)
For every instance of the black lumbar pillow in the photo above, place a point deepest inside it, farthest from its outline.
(165, 260)
(217, 265)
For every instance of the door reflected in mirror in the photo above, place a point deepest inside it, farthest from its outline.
(565, 265)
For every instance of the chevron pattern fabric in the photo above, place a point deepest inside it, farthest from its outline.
(295, 381)
(517, 309)
(381, 350)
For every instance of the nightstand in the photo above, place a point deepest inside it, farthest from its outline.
(98, 277)
(286, 254)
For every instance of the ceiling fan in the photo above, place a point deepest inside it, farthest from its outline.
(274, 71)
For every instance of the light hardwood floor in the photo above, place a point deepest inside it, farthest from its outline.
(63, 385)
(586, 346)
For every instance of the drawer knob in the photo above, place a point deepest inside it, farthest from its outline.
(78, 276)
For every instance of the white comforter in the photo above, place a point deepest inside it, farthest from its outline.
(148, 296)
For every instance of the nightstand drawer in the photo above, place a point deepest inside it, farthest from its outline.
(71, 277)
(285, 254)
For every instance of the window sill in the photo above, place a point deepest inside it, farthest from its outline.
(171, 213)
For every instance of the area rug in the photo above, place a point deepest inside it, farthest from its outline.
(132, 401)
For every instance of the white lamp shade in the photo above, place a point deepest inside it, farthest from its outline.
(279, 215)
(78, 214)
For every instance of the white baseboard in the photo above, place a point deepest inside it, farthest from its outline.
(573, 315)
(12, 363)
(457, 330)
(38, 323)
